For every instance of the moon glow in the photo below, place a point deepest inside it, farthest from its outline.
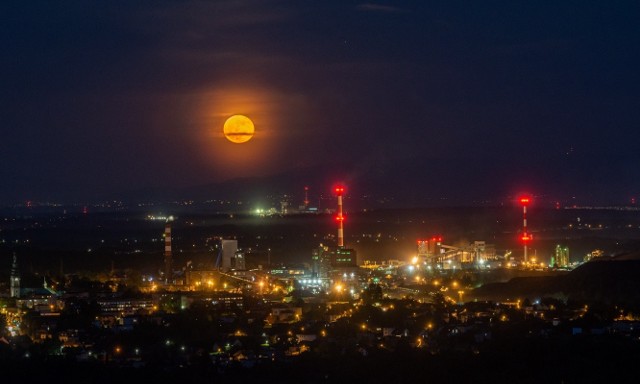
(238, 129)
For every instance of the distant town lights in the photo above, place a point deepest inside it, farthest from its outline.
(160, 218)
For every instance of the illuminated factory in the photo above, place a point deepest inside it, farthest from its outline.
(477, 255)
(229, 266)
(333, 263)
(435, 254)
(561, 257)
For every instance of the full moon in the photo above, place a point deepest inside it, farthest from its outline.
(238, 129)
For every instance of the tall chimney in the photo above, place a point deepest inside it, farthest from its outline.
(168, 256)
(340, 216)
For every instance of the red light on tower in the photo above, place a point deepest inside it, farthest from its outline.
(525, 200)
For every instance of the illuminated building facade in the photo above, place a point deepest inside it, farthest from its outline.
(221, 299)
(344, 258)
(326, 259)
(429, 250)
(202, 279)
(239, 261)
(290, 271)
(561, 256)
(126, 306)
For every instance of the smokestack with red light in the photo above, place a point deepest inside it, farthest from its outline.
(168, 256)
(306, 197)
(524, 201)
(340, 216)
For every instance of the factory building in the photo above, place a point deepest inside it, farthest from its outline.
(561, 257)
(327, 259)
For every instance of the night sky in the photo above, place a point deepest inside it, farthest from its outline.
(483, 98)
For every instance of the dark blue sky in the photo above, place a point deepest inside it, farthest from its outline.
(482, 98)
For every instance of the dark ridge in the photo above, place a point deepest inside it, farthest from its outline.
(611, 281)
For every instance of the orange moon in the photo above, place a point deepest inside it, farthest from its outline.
(238, 129)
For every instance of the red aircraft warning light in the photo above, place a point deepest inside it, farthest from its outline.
(339, 190)
(435, 239)
(525, 200)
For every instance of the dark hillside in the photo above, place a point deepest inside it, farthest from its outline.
(611, 281)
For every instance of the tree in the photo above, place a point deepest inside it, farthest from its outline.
(79, 314)
(372, 293)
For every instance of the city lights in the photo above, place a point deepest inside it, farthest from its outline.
(293, 308)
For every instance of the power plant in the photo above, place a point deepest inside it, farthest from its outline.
(333, 262)
(436, 255)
